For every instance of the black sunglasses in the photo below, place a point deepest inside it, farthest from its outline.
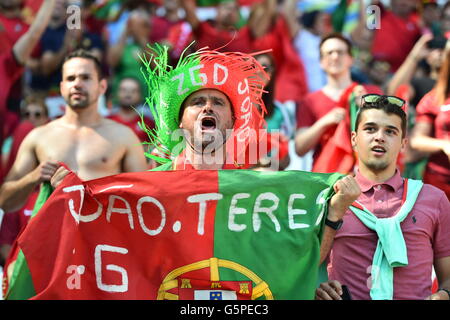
(37, 114)
(373, 98)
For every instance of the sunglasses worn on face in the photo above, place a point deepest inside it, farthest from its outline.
(34, 114)
(373, 98)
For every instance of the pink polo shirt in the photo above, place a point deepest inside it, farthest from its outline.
(426, 231)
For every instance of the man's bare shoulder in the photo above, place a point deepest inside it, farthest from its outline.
(51, 128)
(44, 134)
(114, 125)
(119, 130)
(40, 132)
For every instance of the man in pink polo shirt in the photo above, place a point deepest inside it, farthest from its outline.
(424, 229)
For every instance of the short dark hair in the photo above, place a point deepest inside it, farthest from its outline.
(336, 35)
(82, 53)
(308, 19)
(382, 103)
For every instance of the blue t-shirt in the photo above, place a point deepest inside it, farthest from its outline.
(53, 40)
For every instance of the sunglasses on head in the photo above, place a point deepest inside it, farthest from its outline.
(36, 114)
(373, 98)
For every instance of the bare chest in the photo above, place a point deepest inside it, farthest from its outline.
(90, 152)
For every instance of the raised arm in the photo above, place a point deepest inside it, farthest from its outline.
(307, 138)
(52, 60)
(24, 46)
(406, 71)
(347, 190)
(422, 141)
(362, 36)
(262, 17)
(291, 13)
(115, 52)
(190, 8)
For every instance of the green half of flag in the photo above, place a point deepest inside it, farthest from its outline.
(268, 226)
(20, 286)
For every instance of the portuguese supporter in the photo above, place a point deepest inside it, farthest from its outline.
(217, 103)
(324, 116)
(397, 230)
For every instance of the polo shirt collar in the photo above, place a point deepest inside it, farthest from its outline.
(395, 182)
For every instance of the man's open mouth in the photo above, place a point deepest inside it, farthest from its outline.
(208, 123)
(379, 150)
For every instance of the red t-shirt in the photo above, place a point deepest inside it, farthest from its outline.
(179, 36)
(439, 117)
(20, 132)
(395, 39)
(133, 125)
(160, 28)
(317, 104)
(209, 36)
(10, 71)
(11, 29)
(290, 82)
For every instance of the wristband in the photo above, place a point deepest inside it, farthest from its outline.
(335, 225)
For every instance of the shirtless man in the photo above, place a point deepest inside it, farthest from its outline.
(88, 144)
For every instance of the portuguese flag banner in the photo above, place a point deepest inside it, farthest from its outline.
(229, 234)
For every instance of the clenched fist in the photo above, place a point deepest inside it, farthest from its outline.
(45, 171)
(58, 176)
(335, 116)
(347, 191)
